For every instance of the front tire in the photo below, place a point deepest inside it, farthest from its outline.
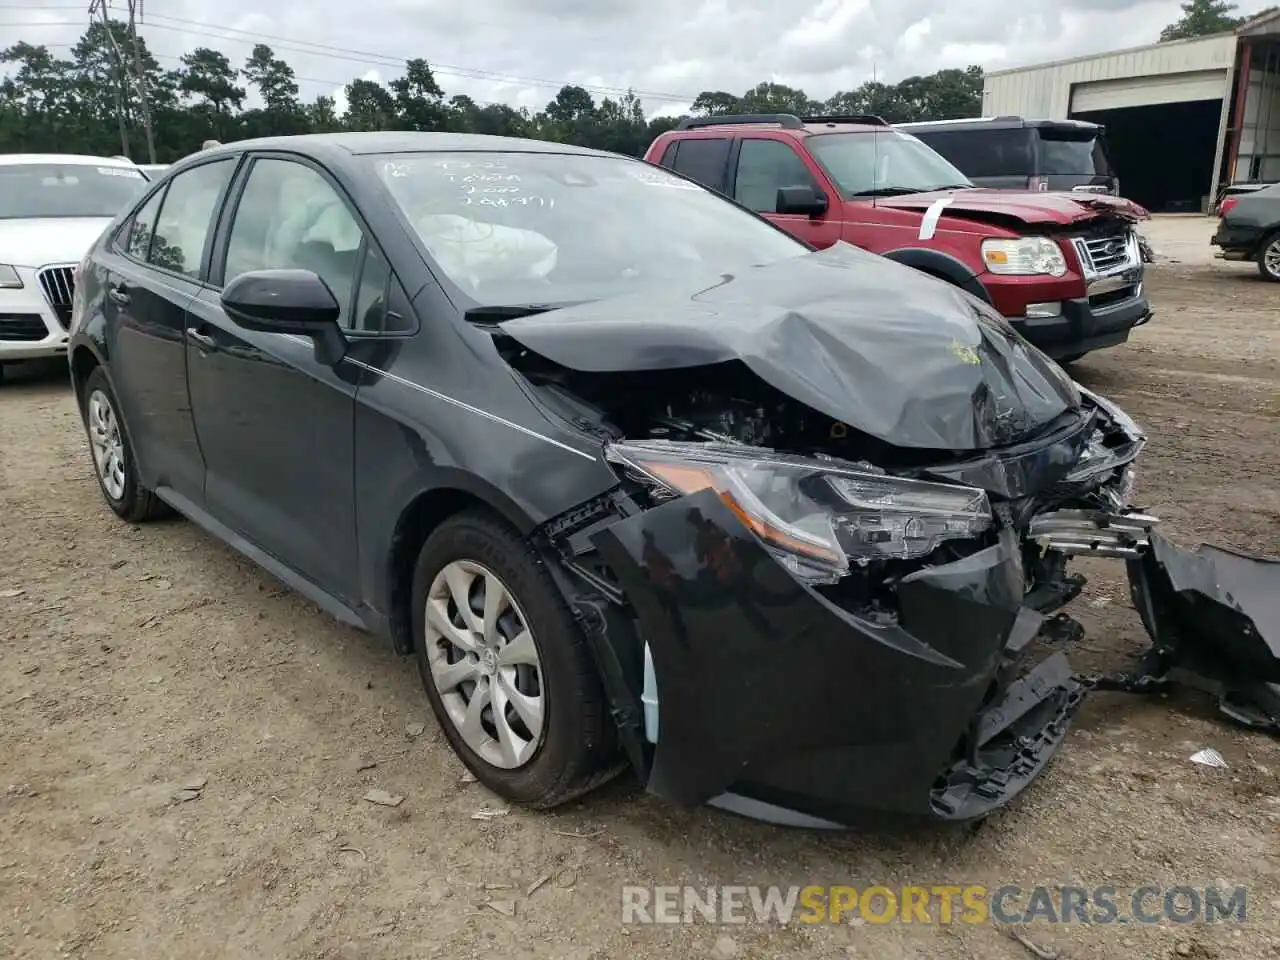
(113, 461)
(1269, 259)
(506, 666)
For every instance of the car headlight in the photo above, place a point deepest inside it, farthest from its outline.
(1024, 257)
(816, 516)
(9, 279)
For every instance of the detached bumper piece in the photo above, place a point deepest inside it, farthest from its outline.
(775, 700)
(1214, 620)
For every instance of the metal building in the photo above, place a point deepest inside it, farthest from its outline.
(1182, 118)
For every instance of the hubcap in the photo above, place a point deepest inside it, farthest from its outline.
(484, 664)
(108, 447)
(1271, 258)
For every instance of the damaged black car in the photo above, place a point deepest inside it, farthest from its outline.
(639, 480)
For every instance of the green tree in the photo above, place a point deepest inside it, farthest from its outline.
(208, 77)
(273, 79)
(716, 103)
(1202, 18)
(419, 101)
(370, 106)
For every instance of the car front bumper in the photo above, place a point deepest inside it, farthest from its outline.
(1087, 323)
(29, 327)
(777, 702)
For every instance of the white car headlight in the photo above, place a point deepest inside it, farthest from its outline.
(815, 516)
(1024, 257)
(9, 279)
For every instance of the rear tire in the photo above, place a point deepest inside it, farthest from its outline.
(1269, 258)
(113, 461)
(540, 732)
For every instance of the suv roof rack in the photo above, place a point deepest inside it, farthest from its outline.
(869, 119)
(788, 120)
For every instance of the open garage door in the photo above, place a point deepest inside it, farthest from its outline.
(1148, 91)
(1162, 154)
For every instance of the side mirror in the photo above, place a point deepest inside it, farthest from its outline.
(295, 302)
(803, 200)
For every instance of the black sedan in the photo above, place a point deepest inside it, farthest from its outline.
(638, 479)
(1249, 229)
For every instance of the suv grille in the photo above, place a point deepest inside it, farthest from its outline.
(58, 285)
(1106, 254)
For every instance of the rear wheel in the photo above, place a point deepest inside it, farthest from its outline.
(1269, 259)
(506, 667)
(113, 460)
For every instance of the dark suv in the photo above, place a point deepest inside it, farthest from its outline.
(1065, 269)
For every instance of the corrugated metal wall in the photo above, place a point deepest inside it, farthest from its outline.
(1045, 91)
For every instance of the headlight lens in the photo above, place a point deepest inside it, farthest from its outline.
(815, 516)
(1024, 257)
(9, 279)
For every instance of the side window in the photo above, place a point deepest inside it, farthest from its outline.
(985, 153)
(186, 216)
(704, 161)
(669, 155)
(289, 217)
(373, 293)
(137, 238)
(763, 167)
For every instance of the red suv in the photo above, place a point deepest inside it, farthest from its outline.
(1065, 269)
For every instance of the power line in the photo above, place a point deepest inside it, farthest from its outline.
(367, 58)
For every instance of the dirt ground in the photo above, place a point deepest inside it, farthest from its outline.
(139, 659)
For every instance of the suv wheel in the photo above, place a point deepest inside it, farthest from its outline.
(113, 461)
(1269, 259)
(506, 667)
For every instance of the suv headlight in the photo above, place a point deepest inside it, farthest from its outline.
(815, 516)
(9, 279)
(1024, 257)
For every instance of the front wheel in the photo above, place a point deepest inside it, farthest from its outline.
(1269, 259)
(113, 461)
(506, 667)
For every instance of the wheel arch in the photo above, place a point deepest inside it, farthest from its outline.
(83, 361)
(943, 266)
(421, 514)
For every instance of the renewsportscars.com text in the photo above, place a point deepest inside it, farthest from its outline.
(940, 904)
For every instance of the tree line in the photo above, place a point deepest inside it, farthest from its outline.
(88, 103)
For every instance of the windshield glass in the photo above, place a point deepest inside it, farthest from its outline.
(66, 190)
(519, 228)
(1073, 152)
(883, 163)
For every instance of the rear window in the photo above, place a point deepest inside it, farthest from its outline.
(985, 153)
(703, 160)
(1072, 151)
(67, 189)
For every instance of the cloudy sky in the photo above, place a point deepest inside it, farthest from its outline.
(521, 51)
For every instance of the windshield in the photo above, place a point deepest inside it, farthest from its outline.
(544, 228)
(29, 190)
(1072, 151)
(883, 163)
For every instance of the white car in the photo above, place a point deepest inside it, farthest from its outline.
(52, 208)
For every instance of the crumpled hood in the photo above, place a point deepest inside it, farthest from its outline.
(40, 241)
(891, 352)
(1026, 206)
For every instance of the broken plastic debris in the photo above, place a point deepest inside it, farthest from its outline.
(1209, 757)
(384, 799)
(505, 907)
(415, 729)
(490, 814)
(183, 796)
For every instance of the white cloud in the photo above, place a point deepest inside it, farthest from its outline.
(521, 51)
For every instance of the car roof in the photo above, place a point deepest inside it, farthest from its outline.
(780, 123)
(399, 141)
(994, 123)
(71, 159)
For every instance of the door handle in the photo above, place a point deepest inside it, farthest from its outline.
(206, 343)
(118, 294)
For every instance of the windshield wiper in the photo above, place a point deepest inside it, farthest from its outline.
(496, 312)
(950, 186)
(887, 192)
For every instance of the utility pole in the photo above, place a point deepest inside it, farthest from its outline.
(140, 77)
(100, 7)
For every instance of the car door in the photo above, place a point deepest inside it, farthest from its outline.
(275, 425)
(154, 269)
(765, 166)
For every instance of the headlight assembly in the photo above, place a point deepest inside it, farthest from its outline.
(9, 279)
(1024, 257)
(817, 517)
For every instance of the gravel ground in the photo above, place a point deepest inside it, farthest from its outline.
(139, 661)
